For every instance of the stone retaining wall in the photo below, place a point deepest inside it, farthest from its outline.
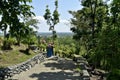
(8, 72)
(83, 63)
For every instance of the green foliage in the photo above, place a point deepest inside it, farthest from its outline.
(54, 35)
(47, 14)
(12, 11)
(107, 51)
(25, 31)
(53, 19)
(114, 75)
(12, 41)
(30, 38)
(29, 21)
(8, 43)
(97, 28)
(65, 47)
(42, 47)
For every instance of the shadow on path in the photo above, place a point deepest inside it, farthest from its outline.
(55, 76)
(62, 64)
(59, 70)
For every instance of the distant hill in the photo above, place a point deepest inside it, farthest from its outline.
(59, 34)
(1, 34)
(48, 34)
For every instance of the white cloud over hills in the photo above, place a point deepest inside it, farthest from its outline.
(62, 26)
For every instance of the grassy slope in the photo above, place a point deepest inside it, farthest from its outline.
(11, 57)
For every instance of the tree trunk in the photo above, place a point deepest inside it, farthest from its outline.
(93, 13)
(4, 43)
(18, 41)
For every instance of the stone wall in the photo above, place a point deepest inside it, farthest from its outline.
(83, 66)
(8, 72)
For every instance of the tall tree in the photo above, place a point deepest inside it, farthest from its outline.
(84, 26)
(95, 7)
(81, 28)
(88, 24)
(53, 19)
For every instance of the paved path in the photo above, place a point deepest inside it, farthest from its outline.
(51, 70)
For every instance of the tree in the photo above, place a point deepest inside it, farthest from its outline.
(100, 27)
(87, 26)
(80, 27)
(89, 21)
(24, 30)
(11, 12)
(53, 19)
(97, 11)
(107, 50)
(31, 23)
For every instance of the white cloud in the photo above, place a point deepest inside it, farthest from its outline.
(64, 21)
(0, 17)
(63, 26)
(40, 18)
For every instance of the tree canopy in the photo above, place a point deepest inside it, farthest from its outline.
(12, 12)
(96, 26)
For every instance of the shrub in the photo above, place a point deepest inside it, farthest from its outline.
(7, 43)
(114, 75)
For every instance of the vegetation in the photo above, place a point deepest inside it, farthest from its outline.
(65, 47)
(96, 27)
(18, 17)
(12, 13)
(15, 56)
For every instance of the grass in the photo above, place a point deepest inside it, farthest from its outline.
(77, 69)
(15, 56)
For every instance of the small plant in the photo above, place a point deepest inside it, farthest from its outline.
(77, 69)
(8, 43)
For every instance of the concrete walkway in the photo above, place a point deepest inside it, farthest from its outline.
(51, 70)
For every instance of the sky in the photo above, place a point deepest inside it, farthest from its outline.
(63, 7)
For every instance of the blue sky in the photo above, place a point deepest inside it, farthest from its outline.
(63, 7)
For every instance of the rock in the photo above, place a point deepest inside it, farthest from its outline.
(1, 52)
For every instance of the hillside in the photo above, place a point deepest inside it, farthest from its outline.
(15, 56)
